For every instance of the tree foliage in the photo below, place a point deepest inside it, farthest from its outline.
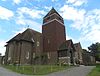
(0, 54)
(95, 50)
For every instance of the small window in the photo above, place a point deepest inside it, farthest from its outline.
(38, 43)
(27, 55)
(48, 41)
(9, 58)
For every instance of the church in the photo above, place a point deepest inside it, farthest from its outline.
(48, 47)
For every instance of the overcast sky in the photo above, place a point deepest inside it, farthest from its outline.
(81, 17)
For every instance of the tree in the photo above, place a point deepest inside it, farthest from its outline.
(0, 54)
(95, 50)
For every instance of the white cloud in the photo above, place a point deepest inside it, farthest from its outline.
(54, 0)
(5, 13)
(32, 24)
(20, 30)
(2, 48)
(92, 36)
(77, 2)
(48, 7)
(85, 22)
(33, 13)
(89, 26)
(26, 16)
(16, 1)
(71, 13)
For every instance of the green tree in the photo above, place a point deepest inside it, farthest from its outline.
(95, 50)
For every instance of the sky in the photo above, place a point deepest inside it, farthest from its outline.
(81, 18)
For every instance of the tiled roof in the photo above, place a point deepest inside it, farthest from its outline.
(27, 35)
(16, 38)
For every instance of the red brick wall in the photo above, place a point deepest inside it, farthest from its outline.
(55, 33)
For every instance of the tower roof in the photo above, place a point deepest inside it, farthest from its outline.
(52, 11)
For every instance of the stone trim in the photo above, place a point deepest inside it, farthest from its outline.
(52, 21)
(64, 57)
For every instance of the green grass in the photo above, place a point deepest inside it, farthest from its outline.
(36, 70)
(95, 71)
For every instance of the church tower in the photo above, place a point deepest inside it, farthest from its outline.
(53, 31)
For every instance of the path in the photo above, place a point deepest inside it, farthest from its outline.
(6, 72)
(77, 71)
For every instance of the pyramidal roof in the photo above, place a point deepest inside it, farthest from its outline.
(52, 11)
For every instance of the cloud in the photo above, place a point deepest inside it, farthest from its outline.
(92, 26)
(71, 13)
(5, 13)
(27, 16)
(87, 23)
(32, 24)
(16, 1)
(2, 48)
(54, 0)
(89, 26)
(76, 2)
(92, 36)
(48, 7)
(32, 13)
(20, 30)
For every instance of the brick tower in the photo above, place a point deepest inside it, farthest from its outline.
(53, 31)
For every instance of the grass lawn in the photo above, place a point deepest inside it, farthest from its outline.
(95, 71)
(36, 70)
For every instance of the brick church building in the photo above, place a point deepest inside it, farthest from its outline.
(48, 47)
